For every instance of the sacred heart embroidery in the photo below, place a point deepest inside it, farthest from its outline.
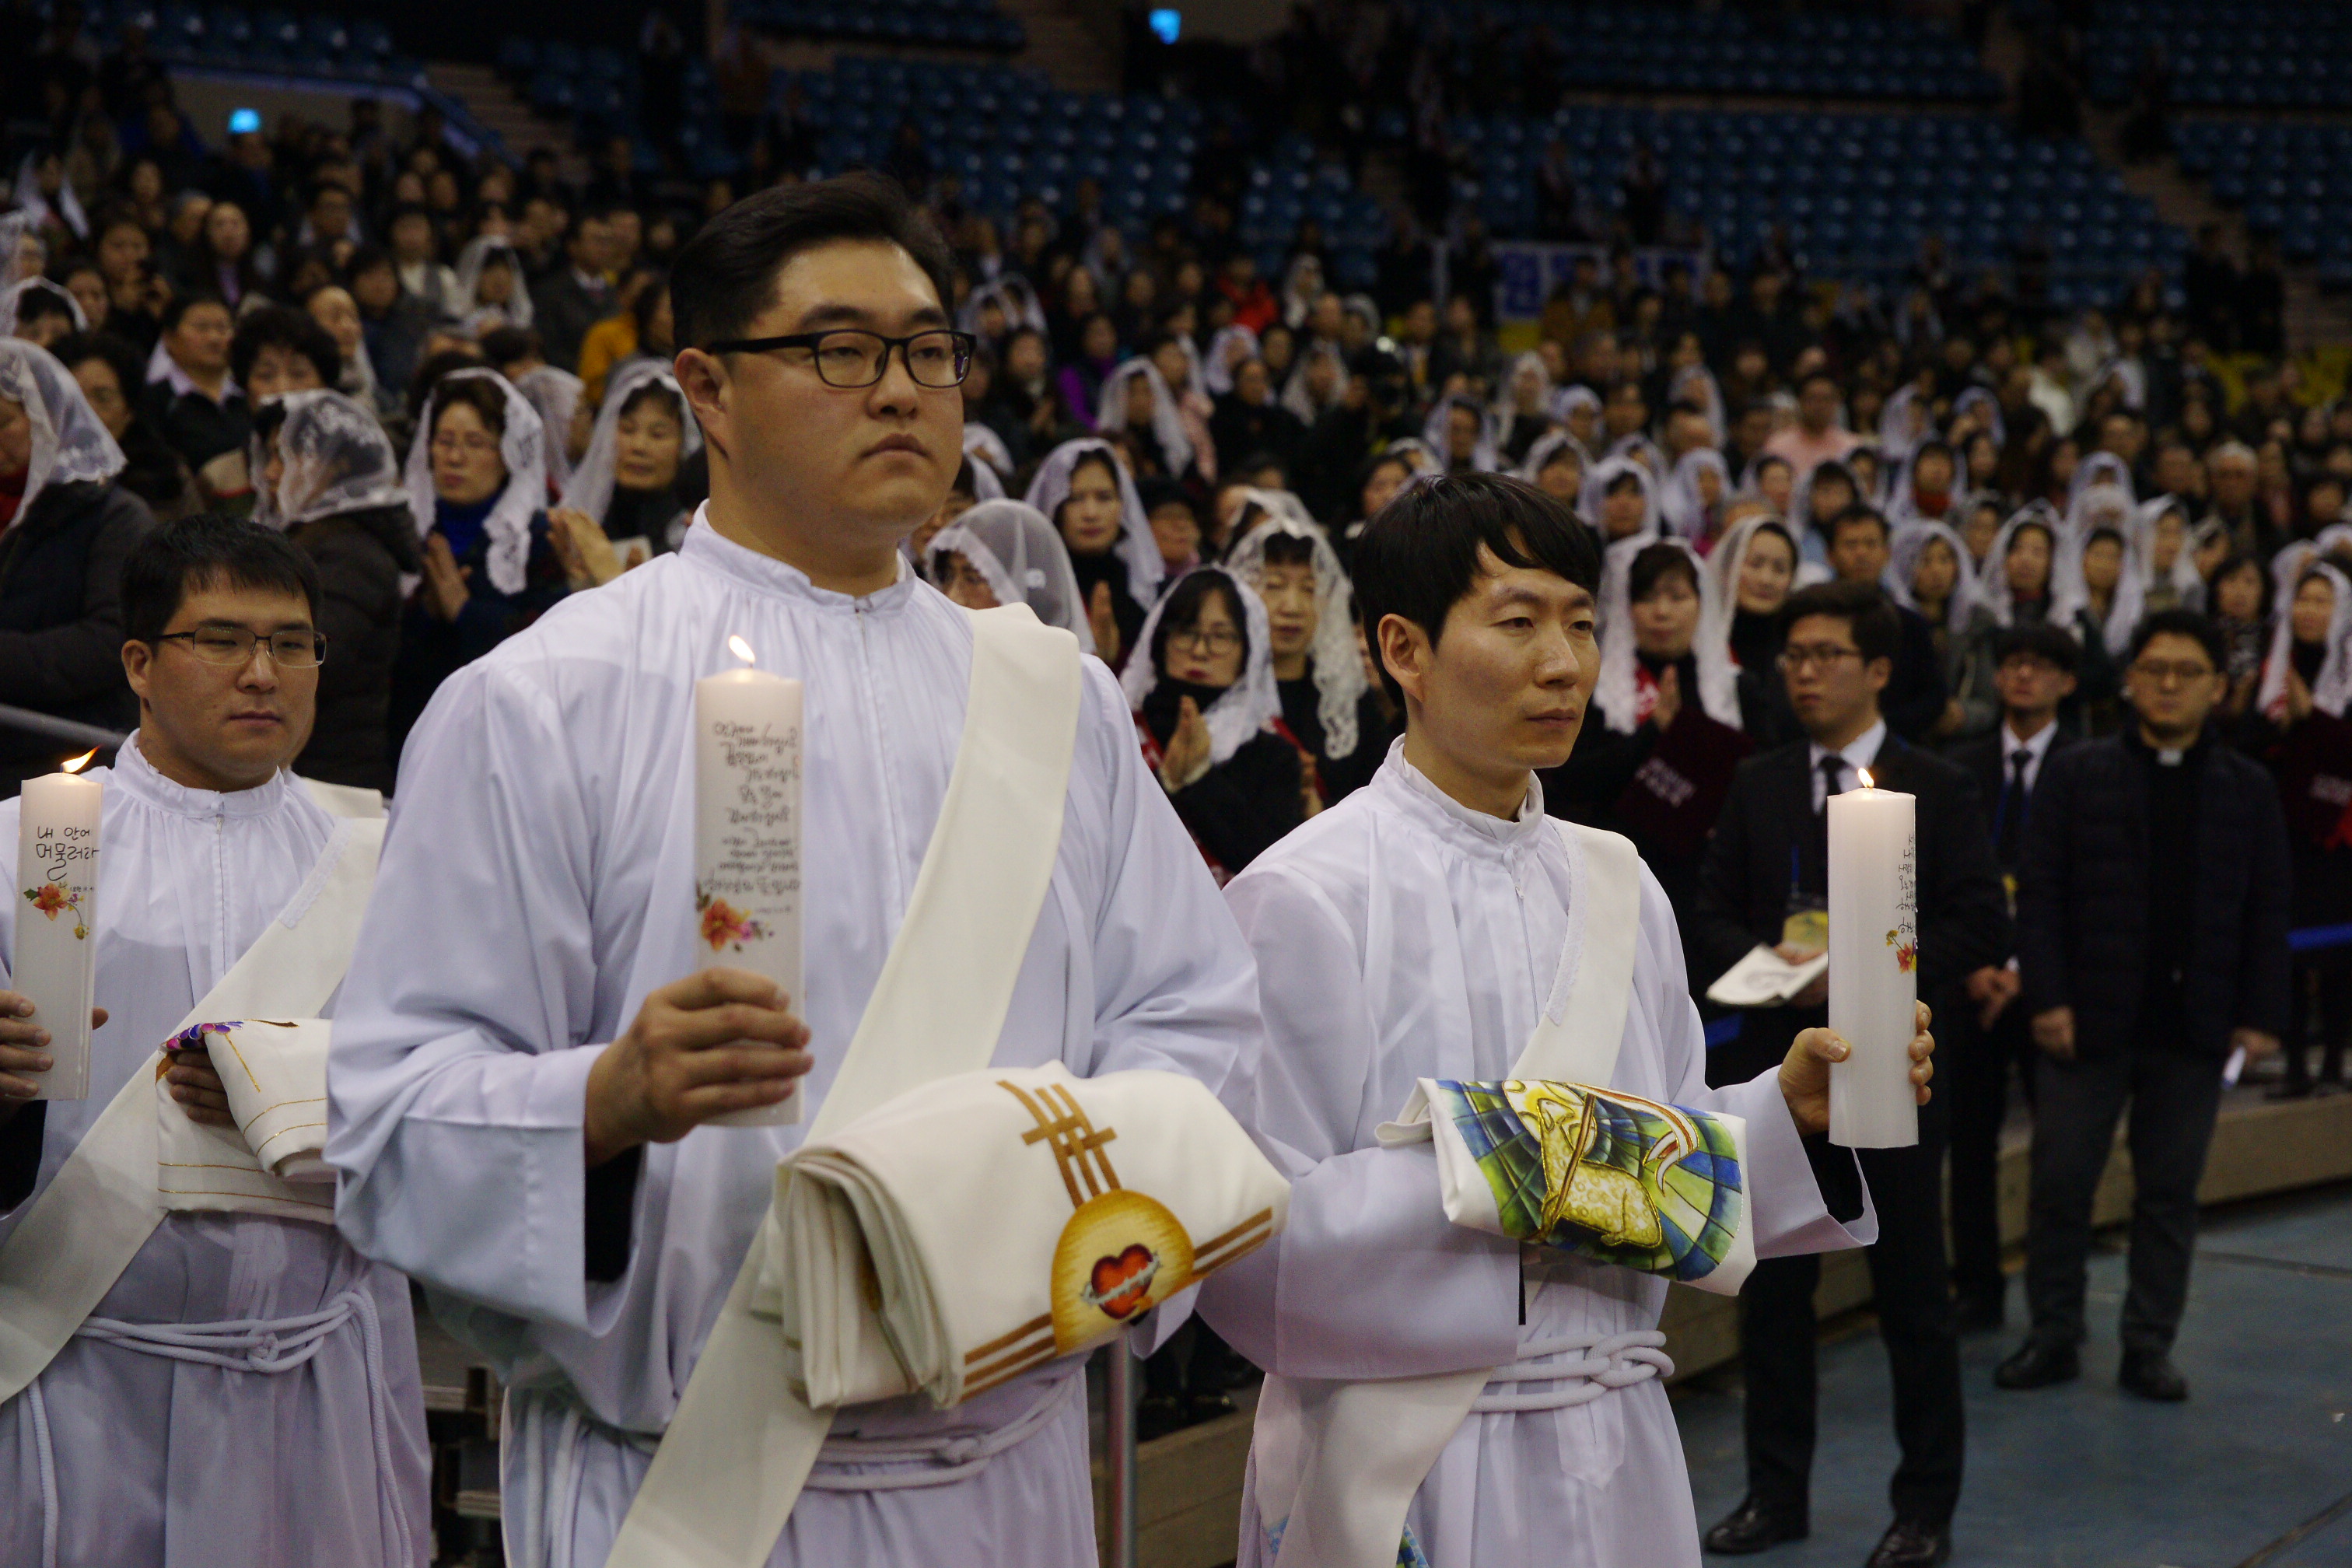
(1120, 1284)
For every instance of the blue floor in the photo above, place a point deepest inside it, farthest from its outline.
(2256, 1471)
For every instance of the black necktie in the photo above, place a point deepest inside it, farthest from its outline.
(1833, 768)
(2010, 829)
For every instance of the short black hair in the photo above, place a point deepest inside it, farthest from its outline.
(179, 305)
(1852, 515)
(1867, 612)
(1157, 492)
(726, 274)
(284, 327)
(2183, 624)
(1654, 563)
(506, 345)
(130, 367)
(2041, 640)
(194, 553)
(32, 304)
(1181, 611)
(1418, 556)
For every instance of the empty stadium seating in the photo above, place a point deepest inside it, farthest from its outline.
(2277, 54)
(1858, 192)
(230, 38)
(2295, 181)
(957, 23)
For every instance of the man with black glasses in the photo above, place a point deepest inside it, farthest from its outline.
(531, 1050)
(2151, 938)
(1765, 881)
(194, 1352)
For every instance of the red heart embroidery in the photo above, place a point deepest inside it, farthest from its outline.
(1122, 1283)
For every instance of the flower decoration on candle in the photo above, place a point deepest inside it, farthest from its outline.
(724, 925)
(53, 900)
(1906, 954)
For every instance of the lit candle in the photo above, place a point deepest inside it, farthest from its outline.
(57, 923)
(1874, 967)
(746, 837)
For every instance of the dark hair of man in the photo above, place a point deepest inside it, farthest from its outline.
(1157, 492)
(476, 394)
(283, 327)
(406, 210)
(2038, 640)
(364, 260)
(1805, 382)
(1182, 613)
(208, 549)
(726, 274)
(2181, 623)
(116, 214)
(35, 303)
(1852, 515)
(75, 266)
(130, 367)
(176, 308)
(1418, 557)
(1869, 616)
(1653, 564)
(511, 345)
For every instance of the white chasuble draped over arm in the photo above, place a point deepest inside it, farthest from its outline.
(536, 885)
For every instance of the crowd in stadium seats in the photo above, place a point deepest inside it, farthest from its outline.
(1913, 352)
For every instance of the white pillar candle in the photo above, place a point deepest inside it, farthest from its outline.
(57, 921)
(1874, 967)
(747, 837)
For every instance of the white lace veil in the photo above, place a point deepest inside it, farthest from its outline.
(1340, 680)
(37, 206)
(70, 445)
(1110, 412)
(17, 291)
(993, 460)
(590, 487)
(555, 394)
(2100, 509)
(1437, 436)
(1023, 560)
(1679, 500)
(1215, 373)
(336, 459)
(1614, 692)
(1299, 397)
(1243, 709)
(2098, 469)
(1910, 541)
(2188, 586)
(14, 227)
(1719, 607)
(517, 310)
(2332, 686)
(1136, 547)
(524, 449)
(1013, 293)
(1993, 583)
(1597, 480)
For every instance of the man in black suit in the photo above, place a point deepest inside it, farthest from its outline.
(578, 294)
(2035, 673)
(2151, 936)
(1764, 881)
(1914, 697)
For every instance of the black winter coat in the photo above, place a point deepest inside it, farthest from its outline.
(360, 556)
(2082, 899)
(62, 616)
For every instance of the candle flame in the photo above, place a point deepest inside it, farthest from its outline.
(741, 649)
(80, 763)
(1865, 778)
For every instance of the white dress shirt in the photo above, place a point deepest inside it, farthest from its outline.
(1856, 754)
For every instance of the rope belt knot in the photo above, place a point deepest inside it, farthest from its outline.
(1597, 1363)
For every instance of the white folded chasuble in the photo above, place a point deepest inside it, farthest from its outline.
(1402, 936)
(544, 833)
(247, 1394)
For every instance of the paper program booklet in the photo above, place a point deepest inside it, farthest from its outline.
(1765, 979)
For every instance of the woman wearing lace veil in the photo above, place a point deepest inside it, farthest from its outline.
(1932, 574)
(1137, 403)
(556, 395)
(638, 483)
(1006, 552)
(65, 527)
(1088, 494)
(476, 483)
(491, 289)
(1319, 670)
(329, 480)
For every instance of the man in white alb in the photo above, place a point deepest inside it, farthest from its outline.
(200, 1374)
(1494, 1404)
(527, 1060)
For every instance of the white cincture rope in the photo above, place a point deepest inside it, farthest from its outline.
(1609, 1361)
(547, 1479)
(266, 1346)
(952, 1458)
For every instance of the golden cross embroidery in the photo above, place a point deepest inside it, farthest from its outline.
(1063, 1125)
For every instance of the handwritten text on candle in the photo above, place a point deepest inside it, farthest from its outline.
(759, 852)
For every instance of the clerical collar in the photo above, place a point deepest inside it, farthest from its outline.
(706, 547)
(133, 773)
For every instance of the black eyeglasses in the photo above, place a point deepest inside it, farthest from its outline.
(850, 357)
(235, 645)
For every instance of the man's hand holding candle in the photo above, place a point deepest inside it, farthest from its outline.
(718, 1041)
(1805, 1071)
(24, 1048)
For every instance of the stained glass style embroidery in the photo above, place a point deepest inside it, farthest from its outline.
(1608, 1176)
